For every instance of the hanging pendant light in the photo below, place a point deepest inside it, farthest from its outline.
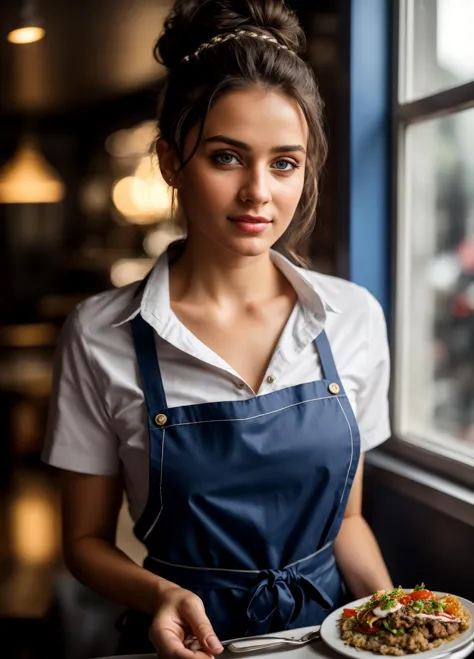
(29, 27)
(27, 178)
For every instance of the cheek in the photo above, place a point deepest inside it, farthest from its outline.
(206, 188)
(288, 192)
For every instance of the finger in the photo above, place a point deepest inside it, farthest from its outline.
(170, 646)
(201, 627)
(191, 643)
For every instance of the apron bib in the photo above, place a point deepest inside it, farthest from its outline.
(246, 498)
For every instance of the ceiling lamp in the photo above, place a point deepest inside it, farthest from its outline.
(29, 27)
(27, 178)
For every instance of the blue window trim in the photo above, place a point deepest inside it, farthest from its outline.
(369, 143)
(368, 222)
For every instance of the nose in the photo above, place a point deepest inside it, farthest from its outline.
(255, 188)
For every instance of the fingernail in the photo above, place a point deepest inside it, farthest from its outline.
(213, 643)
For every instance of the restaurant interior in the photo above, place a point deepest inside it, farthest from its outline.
(83, 208)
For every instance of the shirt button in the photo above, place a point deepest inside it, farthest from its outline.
(161, 419)
(241, 385)
(271, 379)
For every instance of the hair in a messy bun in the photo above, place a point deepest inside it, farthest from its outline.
(194, 22)
(194, 83)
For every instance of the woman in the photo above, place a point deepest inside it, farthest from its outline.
(232, 393)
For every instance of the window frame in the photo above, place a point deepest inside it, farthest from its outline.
(403, 114)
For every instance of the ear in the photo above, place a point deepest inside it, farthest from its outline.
(169, 163)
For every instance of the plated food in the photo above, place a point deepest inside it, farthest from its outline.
(399, 622)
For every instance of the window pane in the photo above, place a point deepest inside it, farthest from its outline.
(439, 46)
(435, 306)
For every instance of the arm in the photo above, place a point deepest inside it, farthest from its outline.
(80, 438)
(356, 549)
(91, 505)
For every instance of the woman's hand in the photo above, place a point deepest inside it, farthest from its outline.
(180, 617)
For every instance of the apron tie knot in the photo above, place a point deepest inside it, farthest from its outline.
(282, 593)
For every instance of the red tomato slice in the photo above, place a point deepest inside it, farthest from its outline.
(349, 613)
(422, 595)
(404, 600)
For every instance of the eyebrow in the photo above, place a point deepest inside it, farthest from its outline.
(285, 148)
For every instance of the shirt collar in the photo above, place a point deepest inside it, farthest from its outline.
(155, 300)
(303, 282)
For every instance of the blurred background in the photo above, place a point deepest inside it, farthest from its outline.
(83, 208)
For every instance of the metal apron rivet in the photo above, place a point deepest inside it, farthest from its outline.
(334, 388)
(161, 419)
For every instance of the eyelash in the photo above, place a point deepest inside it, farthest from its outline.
(215, 157)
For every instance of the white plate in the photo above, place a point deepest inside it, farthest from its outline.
(331, 635)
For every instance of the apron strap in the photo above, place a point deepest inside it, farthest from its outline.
(326, 358)
(145, 348)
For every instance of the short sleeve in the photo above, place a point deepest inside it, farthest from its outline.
(79, 435)
(372, 396)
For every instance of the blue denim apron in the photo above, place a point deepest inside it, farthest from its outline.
(246, 497)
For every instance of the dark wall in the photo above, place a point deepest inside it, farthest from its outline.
(420, 543)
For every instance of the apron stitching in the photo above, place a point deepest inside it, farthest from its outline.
(352, 450)
(161, 488)
(257, 416)
(307, 558)
(312, 400)
(211, 569)
(223, 569)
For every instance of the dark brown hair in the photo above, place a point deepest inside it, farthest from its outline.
(194, 84)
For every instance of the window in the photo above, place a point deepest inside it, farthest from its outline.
(439, 48)
(434, 308)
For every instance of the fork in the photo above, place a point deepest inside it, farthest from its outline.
(241, 645)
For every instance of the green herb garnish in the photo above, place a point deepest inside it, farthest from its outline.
(395, 632)
(417, 606)
(389, 604)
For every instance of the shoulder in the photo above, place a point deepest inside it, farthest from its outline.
(346, 297)
(100, 315)
(354, 316)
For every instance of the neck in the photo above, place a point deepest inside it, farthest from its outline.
(229, 280)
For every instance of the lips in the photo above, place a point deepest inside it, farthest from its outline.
(256, 219)
(251, 224)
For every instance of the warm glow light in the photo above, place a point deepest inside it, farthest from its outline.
(29, 179)
(150, 192)
(94, 196)
(34, 532)
(28, 336)
(128, 271)
(131, 142)
(122, 195)
(138, 201)
(156, 242)
(26, 35)
(28, 376)
(117, 144)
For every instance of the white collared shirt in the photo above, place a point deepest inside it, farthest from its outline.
(98, 419)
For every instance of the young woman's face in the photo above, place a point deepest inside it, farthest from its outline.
(241, 189)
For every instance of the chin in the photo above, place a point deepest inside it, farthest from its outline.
(249, 246)
(235, 245)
